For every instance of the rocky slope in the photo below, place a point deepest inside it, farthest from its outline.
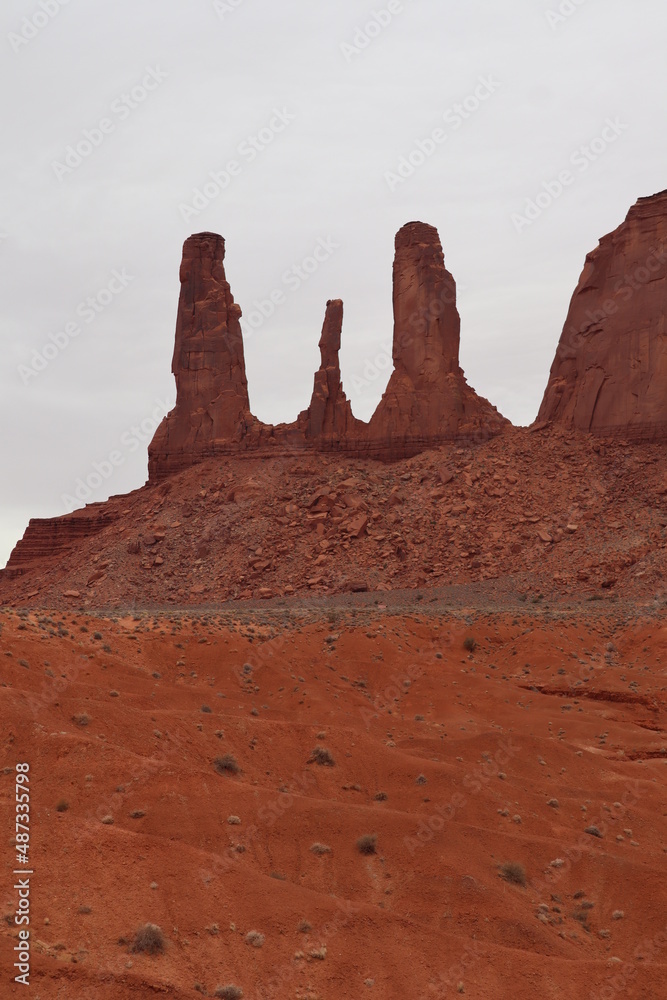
(550, 512)
(610, 371)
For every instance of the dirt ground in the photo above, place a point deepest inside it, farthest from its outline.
(184, 766)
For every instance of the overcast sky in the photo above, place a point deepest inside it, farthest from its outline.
(116, 113)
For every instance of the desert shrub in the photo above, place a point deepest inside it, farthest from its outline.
(206, 709)
(255, 939)
(82, 719)
(226, 764)
(229, 992)
(367, 844)
(320, 849)
(304, 927)
(322, 756)
(62, 806)
(137, 814)
(148, 940)
(593, 831)
(469, 644)
(381, 796)
(420, 779)
(513, 872)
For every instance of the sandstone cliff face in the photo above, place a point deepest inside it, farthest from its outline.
(609, 375)
(212, 406)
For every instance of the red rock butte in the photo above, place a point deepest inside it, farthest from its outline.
(609, 376)
(609, 379)
(427, 401)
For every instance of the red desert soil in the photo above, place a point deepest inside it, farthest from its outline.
(462, 740)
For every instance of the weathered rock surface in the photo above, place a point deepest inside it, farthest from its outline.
(329, 421)
(427, 400)
(609, 375)
(212, 407)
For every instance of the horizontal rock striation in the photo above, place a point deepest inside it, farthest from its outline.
(46, 538)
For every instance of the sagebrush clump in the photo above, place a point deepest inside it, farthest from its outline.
(226, 764)
(148, 940)
(229, 992)
(514, 873)
(321, 756)
(320, 849)
(367, 844)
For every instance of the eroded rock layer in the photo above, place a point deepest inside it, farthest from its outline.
(609, 375)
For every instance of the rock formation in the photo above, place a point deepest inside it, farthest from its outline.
(609, 375)
(212, 407)
(427, 400)
(328, 421)
(46, 538)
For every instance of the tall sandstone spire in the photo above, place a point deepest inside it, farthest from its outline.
(212, 407)
(329, 421)
(427, 400)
